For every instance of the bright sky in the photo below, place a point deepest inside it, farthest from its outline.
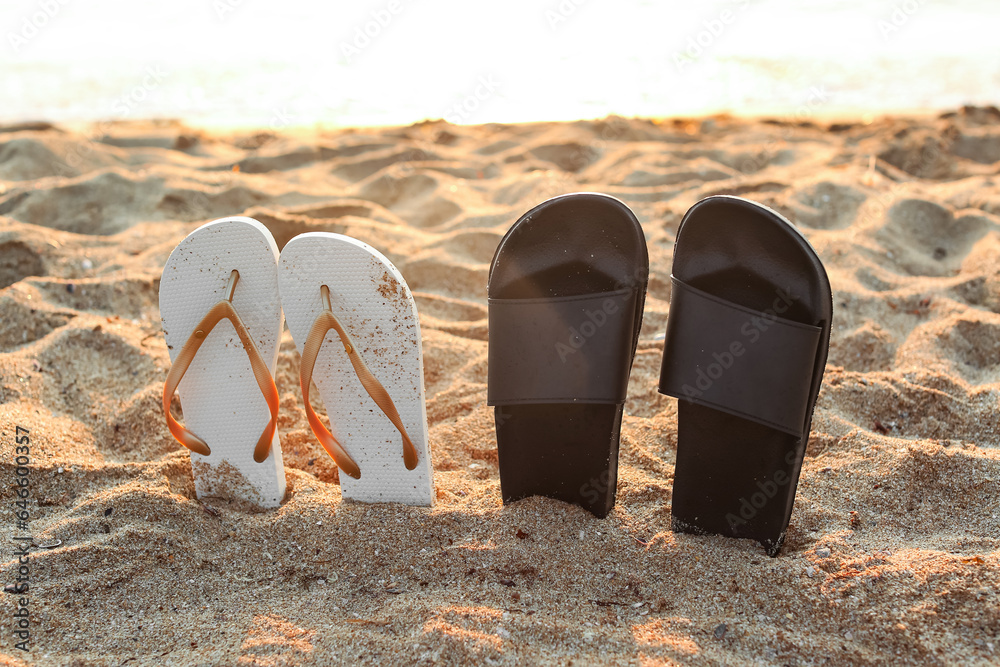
(260, 62)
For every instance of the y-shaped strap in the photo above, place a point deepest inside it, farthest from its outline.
(326, 321)
(222, 310)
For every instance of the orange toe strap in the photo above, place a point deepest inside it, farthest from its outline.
(326, 321)
(220, 311)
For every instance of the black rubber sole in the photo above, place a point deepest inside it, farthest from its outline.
(733, 476)
(566, 452)
(572, 245)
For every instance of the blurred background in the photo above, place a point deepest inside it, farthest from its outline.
(243, 63)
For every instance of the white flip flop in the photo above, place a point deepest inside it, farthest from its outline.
(222, 320)
(355, 324)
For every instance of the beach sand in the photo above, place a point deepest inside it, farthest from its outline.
(893, 553)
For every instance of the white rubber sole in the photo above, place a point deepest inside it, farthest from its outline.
(373, 303)
(220, 398)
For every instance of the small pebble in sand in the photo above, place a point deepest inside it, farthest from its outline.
(720, 631)
(823, 553)
(87, 264)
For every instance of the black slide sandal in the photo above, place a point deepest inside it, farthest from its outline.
(566, 292)
(746, 345)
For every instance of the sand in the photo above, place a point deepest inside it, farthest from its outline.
(893, 553)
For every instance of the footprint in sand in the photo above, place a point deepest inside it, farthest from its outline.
(128, 298)
(875, 278)
(980, 145)
(101, 205)
(285, 161)
(927, 239)
(75, 353)
(827, 205)
(364, 166)
(572, 157)
(45, 154)
(868, 348)
(676, 172)
(189, 204)
(970, 345)
(21, 324)
(17, 262)
(413, 196)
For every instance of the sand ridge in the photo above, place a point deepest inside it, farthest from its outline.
(893, 553)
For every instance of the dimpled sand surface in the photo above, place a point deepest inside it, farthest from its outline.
(893, 553)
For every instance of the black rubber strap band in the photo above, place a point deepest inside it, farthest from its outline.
(575, 349)
(754, 365)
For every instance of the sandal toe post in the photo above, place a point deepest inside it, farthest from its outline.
(222, 323)
(355, 323)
